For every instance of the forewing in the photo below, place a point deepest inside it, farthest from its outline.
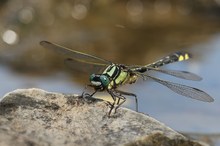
(76, 55)
(184, 90)
(79, 66)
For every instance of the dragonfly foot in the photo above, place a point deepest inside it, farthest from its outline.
(111, 107)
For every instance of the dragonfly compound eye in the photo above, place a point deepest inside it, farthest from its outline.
(95, 80)
(104, 80)
(92, 76)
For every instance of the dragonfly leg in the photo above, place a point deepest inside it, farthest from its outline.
(93, 93)
(110, 105)
(114, 100)
(84, 90)
(87, 94)
(119, 103)
(119, 99)
(129, 94)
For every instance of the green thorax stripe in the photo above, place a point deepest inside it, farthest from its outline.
(117, 76)
(113, 71)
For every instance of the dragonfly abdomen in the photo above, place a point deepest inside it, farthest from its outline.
(175, 57)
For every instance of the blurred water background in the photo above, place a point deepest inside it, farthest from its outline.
(125, 31)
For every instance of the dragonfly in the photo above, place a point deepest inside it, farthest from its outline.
(115, 75)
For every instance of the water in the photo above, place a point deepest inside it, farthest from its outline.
(58, 82)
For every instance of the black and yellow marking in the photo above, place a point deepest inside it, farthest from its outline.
(175, 57)
(116, 74)
(183, 57)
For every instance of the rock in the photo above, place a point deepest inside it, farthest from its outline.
(36, 117)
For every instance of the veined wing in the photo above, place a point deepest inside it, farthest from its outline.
(85, 67)
(76, 55)
(179, 74)
(184, 90)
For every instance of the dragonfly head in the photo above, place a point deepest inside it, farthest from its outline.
(99, 81)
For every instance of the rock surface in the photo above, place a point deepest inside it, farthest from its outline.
(36, 117)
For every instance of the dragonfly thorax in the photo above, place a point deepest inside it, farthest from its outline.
(113, 76)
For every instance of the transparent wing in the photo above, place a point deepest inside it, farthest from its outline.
(76, 55)
(184, 90)
(87, 68)
(179, 74)
(176, 73)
